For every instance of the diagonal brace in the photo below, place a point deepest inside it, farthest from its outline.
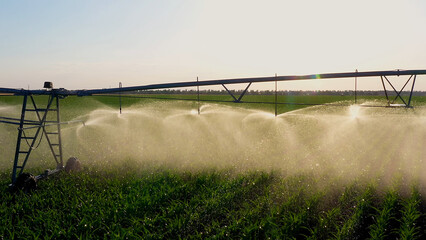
(402, 89)
(230, 93)
(412, 89)
(398, 93)
(242, 94)
(384, 88)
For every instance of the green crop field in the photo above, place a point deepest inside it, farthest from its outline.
(117, 197)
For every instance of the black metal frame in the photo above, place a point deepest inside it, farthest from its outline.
(237, 100)
(398, 93)
(40, 125)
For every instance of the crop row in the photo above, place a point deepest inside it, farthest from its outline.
(213, 204)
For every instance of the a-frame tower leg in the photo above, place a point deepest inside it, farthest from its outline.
(50, 128)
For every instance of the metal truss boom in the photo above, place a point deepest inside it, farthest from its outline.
(84, 92)
(51, 129)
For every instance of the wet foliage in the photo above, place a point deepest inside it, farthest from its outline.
(222, 204)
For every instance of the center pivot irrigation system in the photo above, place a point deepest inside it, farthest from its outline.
(50, 126)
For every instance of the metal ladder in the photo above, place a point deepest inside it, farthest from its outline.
(52, 135)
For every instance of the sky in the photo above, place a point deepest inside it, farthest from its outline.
(97, 44)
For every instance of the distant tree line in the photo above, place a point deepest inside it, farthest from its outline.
(281, 92)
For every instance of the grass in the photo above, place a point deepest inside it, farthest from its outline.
(130, 201)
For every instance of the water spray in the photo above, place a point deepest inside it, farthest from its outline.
(40, 124)
(354, 111)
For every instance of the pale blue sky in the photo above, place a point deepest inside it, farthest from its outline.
(96, 44)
